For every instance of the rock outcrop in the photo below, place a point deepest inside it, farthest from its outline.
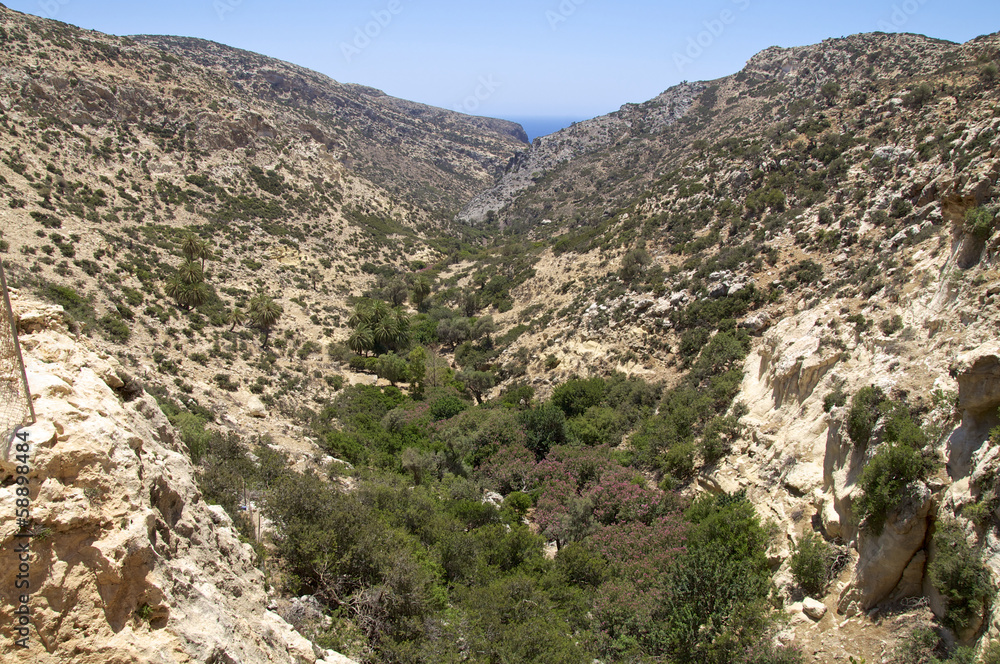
(128, 563)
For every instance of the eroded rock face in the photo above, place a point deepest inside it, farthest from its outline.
(128, 564)
(978, 375)
(885, 557)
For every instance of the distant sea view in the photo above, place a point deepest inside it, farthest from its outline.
(543, 126)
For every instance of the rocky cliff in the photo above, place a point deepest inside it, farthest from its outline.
(128, 563)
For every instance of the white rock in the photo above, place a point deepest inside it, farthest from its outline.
(813, 608)
(256, 408)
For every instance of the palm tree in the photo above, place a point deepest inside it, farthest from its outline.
(191, 273)
(361, 340)
(421, 289)
(236, 317)
(264, 313)
(194, 247)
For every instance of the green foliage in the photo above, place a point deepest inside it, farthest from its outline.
(891, 326)
(264, 313)
(446, 407)
(392, 368)
(80, 309)
(919, 96)
(806, 272)
(114, 328)
(575, 396)
(886, 482)
(545, 427)
(980, 223)
(634, 264)
(812, 563)
(863, 415)
(958, 572)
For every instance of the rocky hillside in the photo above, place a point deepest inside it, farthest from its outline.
(129, 563)
(782, 283)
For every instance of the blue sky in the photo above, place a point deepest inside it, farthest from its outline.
(521, 58)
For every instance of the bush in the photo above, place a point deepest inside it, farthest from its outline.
(891, 326)
(919, 96)
(812, 564)
(863, 415)
(959, 574)
(900, 208)
(114, 328)
(989, 74)
(574, 397)
(885, 483)
(447, 407)
(979, 223)
(225, 381)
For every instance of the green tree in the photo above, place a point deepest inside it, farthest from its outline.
(361, 341)
(830, 90)
(236, 316)
(263, 314)
(483, 329)
(421, 289)
(392, 368)
(194, 248)
(417, 371)
(477, 382)
(634, 264)
(389, 327)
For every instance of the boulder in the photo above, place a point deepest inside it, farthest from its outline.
(256, 408)
(813, 608)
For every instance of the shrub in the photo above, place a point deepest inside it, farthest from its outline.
(989, 73)
(900, 208)
(447, 407)
(885, 483)
(990, 654)
(574, 397)
(114, 328)
(545, 426)
(864, 414)
(551, 362)
(807, 272)
(959, 574)
(834, 399)
(979, 223)
(919, 96)
(812, 563)
(225, 381)
(891, 326)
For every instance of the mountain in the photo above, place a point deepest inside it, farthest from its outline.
(497, 399)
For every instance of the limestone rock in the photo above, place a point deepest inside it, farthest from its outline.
(256, 408)
(134, 567)
(814, 609)
(978, 375)
(883, 559)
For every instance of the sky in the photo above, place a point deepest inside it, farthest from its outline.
(521, 59)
